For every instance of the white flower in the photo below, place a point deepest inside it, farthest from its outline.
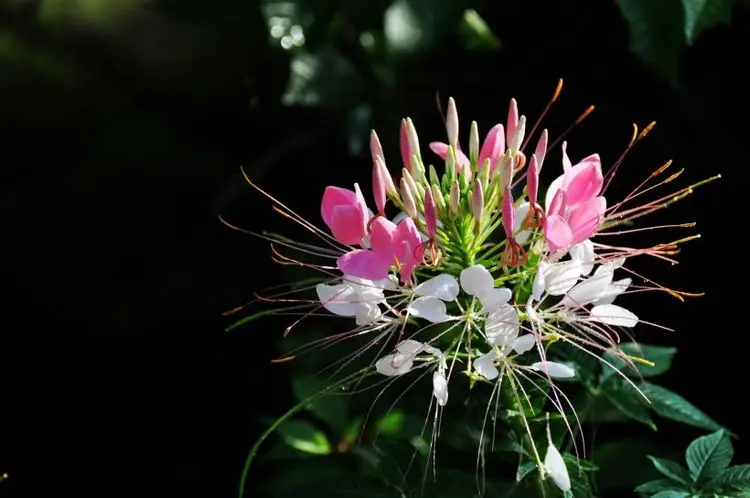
(554, 369)
(354, 296)
(477, 281)
(402, 361)
(584, 254)
(485, 364)
(434, 292)
(522, 211)
(554, 466)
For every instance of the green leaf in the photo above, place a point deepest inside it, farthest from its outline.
(671, 469)
(660, 356)
(656, 35)
(525, 469)
(709, 455)
(305, 437)
(701, 15)
(626, 399)
(671, 494)
(330, 407)
(324, 79)
(658, 486)
(737, 476)
(674, 407)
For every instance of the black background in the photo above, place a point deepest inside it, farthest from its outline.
(116, 375)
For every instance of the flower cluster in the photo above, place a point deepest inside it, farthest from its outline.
(477, 268)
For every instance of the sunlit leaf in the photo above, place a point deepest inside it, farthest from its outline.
(736, 477)
(657, 486)
(305, 437)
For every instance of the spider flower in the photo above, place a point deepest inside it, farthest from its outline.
(465, 271)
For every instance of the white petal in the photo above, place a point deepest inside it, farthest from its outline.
(589, 290)
(584, 252)
(538, 287)
(501, 326)
(551, 191)
(524, 343)
(410, 347)
(367, 290)
(618, 262)
(554, 369)
(494, 298)
(431, 309)
(440, 387)
(394, 364)
(521, 212)
(562, 276)
(476, 279)
(485, 365)
(367, 313)
(554, 466)
(443, 286)
(611, 314)
(399, 217)
(389, 283)
(339, 299)
(613, 290)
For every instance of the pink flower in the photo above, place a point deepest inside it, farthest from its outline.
(390, 245)
(574, 207)
(345, 213)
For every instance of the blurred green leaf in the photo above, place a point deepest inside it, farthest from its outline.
(671, 494)
(736, 477)
(701, 15)
(392, 423)
(709, 455)
(477, 35)
(304, 436)
(672, 406)
(660, 356)
(414, 26)
(330, 408)
(656, 33)
(671, 469)
(325, 79)
(610, 455)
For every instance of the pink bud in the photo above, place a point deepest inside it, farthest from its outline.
(493, 146)
(510, 130)
(509, 214)
(378, 186)
(455, 197)
(408, 142)
(345, 213)
(541, 148)
(376, 150)
(532, 180)
(430, 214)
(408, 198)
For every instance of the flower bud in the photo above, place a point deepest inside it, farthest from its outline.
(430, 214)
(517, 140)
(510, 128)
(451, 123)
(408, 199)
(541, 148)
(474, 142)
(455, 198)
(477, 200)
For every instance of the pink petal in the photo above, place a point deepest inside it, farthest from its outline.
(364, 264)
(430, 214)
(378, 187)
(586, 219)
(493, 146)
(382, 232)
(441, 149)
(566, 160)
(557, 232)
(335, 196)
(558, 204)
(584, 180)
(348, 224)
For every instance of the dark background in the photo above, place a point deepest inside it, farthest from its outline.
(116, 375)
